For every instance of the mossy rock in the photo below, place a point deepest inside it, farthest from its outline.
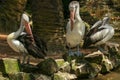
(94, 70)
(47, 67)
(21, 76)
(64, 76)
(86, 69)
(95, 57)
(64, 66)
(81, 71)
(43, 77)
(9, 65)
(29, 68)
(107, 65)
(3, 78)
(60, 62)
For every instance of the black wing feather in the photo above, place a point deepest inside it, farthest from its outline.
(37, 50)
(87, 39)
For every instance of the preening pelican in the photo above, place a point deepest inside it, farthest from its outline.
(25, 43)
(99, 33)
(75, 28)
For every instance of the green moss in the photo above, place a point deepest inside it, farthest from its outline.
(60, 62)
(11, 65)
(58, 77)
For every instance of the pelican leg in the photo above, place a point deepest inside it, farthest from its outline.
(70, 53)
(78, 51)
(28, 60)
(24, 57)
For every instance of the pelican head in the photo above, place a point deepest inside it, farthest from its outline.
(25, 18)
(106, 19)
(74, 11)
(25, 22)
(73, 6)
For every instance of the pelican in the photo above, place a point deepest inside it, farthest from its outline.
(75, 28)
(99, 33)
(22, 42)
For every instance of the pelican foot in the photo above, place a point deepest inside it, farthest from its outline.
(78, 53)
(75, 53)
(71, 53)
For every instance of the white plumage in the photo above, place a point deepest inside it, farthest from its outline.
(75, 28)
(75, 36)
(15, 44)
(25, 43)
(99, 33)
(18, 47)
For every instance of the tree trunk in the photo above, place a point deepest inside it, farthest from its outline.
(10, 14)
(48, 23)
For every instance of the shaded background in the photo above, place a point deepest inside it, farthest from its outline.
(49, 17)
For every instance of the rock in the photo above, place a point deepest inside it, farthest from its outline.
(47, 67)
(95, 57)
(3, 78)
(0, 74)
(95, 70)
(111, 45)
(64, 66)
(106, 65)
(29, 68)
(9, 65)
(43, 77)
(21, 76)
(115, 61)
(64, 76)
(114, 55)
(60, 62)
(86, 69)
(80, 70)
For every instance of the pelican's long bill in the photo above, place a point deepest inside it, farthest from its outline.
(72, 14)
(29, 31)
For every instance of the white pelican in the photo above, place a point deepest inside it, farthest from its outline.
(75, 28)
(25, 43)
(99, 33)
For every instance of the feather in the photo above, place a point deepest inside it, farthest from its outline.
(37, 50)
